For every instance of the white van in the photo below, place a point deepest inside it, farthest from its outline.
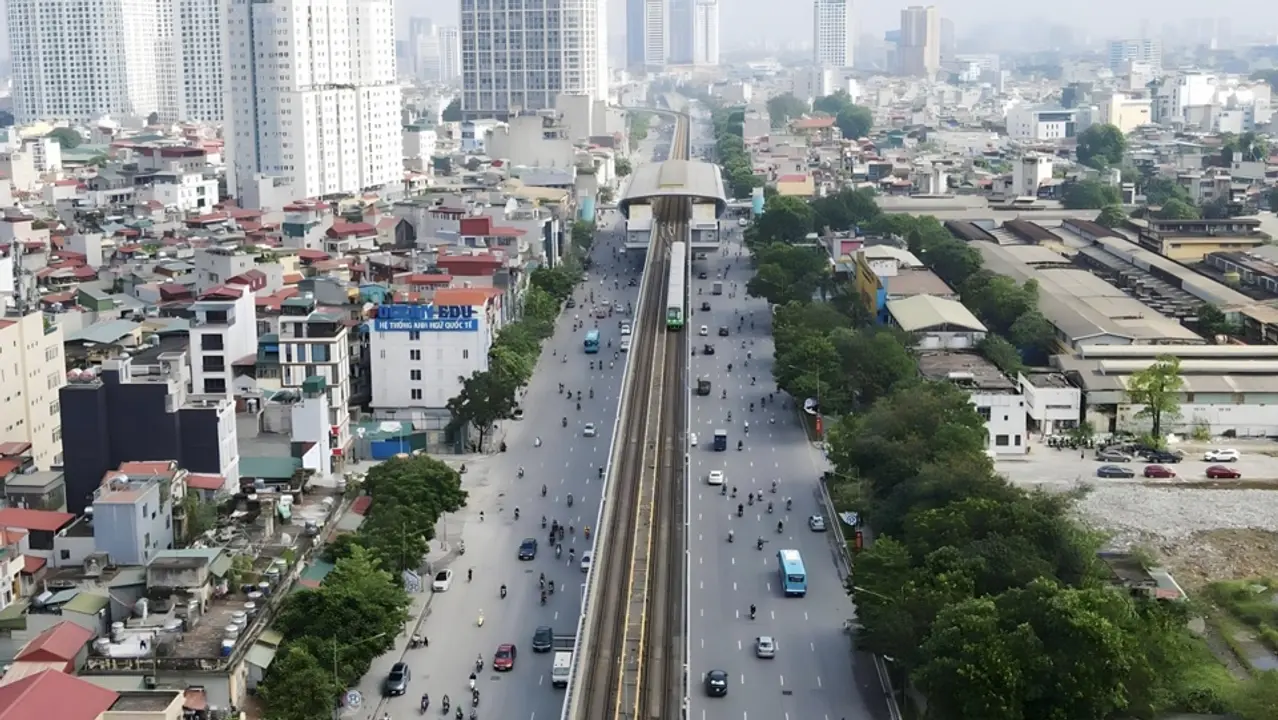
(562, 669)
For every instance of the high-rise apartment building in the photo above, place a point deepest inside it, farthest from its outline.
(705, 41)
(519, 62)
(450, 68)
(192, 60)
(681, 33)
(648, 37)
(919, 46)
(32, 372)
(1149, 52)
(833, 29)
(314, 103)
(424, 50)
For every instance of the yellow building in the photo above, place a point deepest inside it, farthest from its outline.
(1191, 240)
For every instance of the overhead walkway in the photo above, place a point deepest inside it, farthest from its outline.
(700, 181)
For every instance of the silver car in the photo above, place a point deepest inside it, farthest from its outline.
(816, 523)
(765, 647)
(1112, 455)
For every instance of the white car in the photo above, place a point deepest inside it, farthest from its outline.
(692, 439)
(586, 559)
(1222, 455)
(765, 647)
(588, 430)
(704, 331)
(625, 344)
(443, 581)
(816, 523)
(625, 329)
(715, 477)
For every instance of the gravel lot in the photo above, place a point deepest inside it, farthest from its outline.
(1202, 529)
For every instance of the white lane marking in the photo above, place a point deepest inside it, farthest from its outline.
(541, 680)
(805, 615)
(703, 612)
(818, 681)
(734, 587)
(812, 645)
(782, 681)
(739, 646)
(773, 613)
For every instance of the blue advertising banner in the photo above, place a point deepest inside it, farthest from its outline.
(426, 318)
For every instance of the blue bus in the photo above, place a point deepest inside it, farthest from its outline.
(592, 342)
(794, 579)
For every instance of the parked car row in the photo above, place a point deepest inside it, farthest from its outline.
(1215, 472)
(1128, 453)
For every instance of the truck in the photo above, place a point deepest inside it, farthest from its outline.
(703, 386)
(561, 671)
(720, 440)
(717, 288)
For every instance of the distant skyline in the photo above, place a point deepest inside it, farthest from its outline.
(745, 22)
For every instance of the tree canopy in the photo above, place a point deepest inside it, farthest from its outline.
(66, 137)
(854, 121)
(452, 112)
(622, 166)
(1090, 195)
(1111, 216)
(1175, 209)
(738, 172)
(1101, 145)
(784, 108)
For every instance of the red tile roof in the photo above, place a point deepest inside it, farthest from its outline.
(31, 564)
(342, 230)
(813, 123)
(60, 643)
(308, 254)
(52, 694)
(205, 482)
(793, 178)
(26, 519)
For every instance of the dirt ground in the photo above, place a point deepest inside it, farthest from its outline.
(1218, 555)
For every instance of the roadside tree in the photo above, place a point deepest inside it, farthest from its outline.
(1157, 390)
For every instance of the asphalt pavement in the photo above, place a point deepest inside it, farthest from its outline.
(815, 675)
(567, 463)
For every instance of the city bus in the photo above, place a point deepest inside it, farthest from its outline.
(794, 579)
(675, 290)
(592, 342)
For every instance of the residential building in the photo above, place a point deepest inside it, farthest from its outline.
(421, 353)
(313, 342)
(133, 510)
(936, 323)
(833, 33)
(680, 21)
(223, 333)
(1138, 50)
(1037, 124)
(450, 55)
(1190, 241)
(137, 409)
(919, 47)
(705, 33)
(31, 375)
(647, 33)
(1029, 173)
(192, 60)
(50, 693)
(996, 398)
(508, 68)
(1124, 111)
(424, 50)
(1175, 96)
(886, 272)
(323, 120)
(1053, 404)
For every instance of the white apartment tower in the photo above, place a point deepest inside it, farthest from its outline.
(705, 38)
(520, 62)
(33, 374)
(314, 102)
(1149, 52)
(424, 49)
(833, 28)
(192, 60)
(919, 49)
(450, 67)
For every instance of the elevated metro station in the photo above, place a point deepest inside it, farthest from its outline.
(700, 181)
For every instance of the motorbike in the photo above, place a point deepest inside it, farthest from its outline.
(730, 536)
(543, 522)
(759, 545)
(503, 592)
(559, 551)
(445, 705)
(769, 508)
(569, 499)
(779, 527)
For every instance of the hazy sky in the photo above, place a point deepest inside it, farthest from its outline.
(745, 21)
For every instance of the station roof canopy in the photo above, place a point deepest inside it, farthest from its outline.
(675, 178)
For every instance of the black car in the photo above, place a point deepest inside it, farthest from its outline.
(1162, 457)
(716, 683)
(723, 331)
(571, 303)
(397, 681)
(633, 282)
(1115, 471)
(543, 639)
(705, 306)
(701, 275)
(528, 549)
(707, 350)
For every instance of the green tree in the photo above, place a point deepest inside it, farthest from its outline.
(452, 111)
(784, 108)
(298, 686)
(1212, 322)
(66, 137)
(998, 301)
(606, 196)
(622, 166)
(357, 600)
(784, 219)
(1033, 332)
(409, 496)
(1101, 145)
(844, 210)
(583, 234)
(1161, 190)
(1177, 210)
(1002, 353)
(1218, 209)
(639, 125)
(540, 305)
(854, 121)
(875, 360)
(1111, 216)
(484, 399)
(1157, 390)
(200, 515)
(1090, 195)
(833, 104)
(558, 282)
(787, 273)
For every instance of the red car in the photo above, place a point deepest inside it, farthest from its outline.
(1159, 471)
(1222, 472)
(505, 657)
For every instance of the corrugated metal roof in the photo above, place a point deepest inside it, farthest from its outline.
(62, 642)
(921, 312)
(87, 603)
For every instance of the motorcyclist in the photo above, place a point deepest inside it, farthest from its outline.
(569, 499)
(750, 500)
(521, 471)
(780, 525)
(503, 590)
(543, 490)
(789, 503)
(753, 611)
(425, 701)
(543, 521)
(769, 507)
(543, 597)
(565, 421)
(759, 544)
(516, 513)
(740, 444)
(578, 407)
(592, 392)
(724, 394)
(729, 416)
(740, 509)
(729, 367)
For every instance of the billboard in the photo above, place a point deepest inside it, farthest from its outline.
(426, 318)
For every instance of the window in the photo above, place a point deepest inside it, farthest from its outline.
(465, 354)
(414, 336)
(64, 554)
(414, 354)
(211, 341)
(984, 412)
(55, 407)
(1000, 440)
(415, 393)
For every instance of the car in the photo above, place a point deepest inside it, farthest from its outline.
(571, 303)
(625, 344)
(704, 331)
(717, 683)
(707, 350)
(618, 307)
(692, 439)
(1162, 456)
(504, 658)
(397, 680)
(632, 283)
(601, 311)
(1159, 471)
(705, 306)
(443, 580)
(1220, 455)
(1112, 455)
(816, 523)
(765, 647)
(723, 331)
(1222, 472)
(701, 275)
(588, 430)
(543, 639)
(518, 414)
(587, 558)
(1114, 471)
(715, 477)
(528, 549)
(625, 329)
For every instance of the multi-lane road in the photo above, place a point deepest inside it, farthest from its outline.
(815, 675)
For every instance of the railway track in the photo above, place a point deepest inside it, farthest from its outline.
(636, 656)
